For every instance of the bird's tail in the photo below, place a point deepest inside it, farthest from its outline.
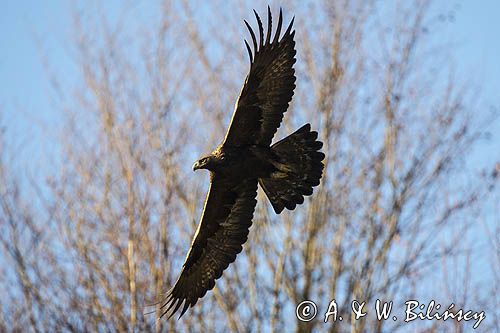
(299, 169)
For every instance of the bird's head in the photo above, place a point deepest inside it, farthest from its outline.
(207, 162)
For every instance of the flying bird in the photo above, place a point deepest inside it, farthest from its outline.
(287, 170)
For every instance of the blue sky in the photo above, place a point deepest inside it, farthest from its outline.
(477, 31)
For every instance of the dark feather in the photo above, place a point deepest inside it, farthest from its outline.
(278, 30)
(223, 229)
(299, 152)
(253, 36)
(249, 51)
(268, 87)
(261, 29)
(269, 25)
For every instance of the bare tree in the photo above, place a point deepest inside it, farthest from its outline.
(396, 210)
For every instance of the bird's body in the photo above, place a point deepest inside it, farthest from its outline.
(287, 170)
(248, 161)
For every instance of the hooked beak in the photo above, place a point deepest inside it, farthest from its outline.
(196, 165)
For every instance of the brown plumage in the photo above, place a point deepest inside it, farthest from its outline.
(287, 170)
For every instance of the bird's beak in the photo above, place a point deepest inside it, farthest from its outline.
(196, 165)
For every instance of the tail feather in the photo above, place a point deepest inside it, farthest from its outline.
(299, 169)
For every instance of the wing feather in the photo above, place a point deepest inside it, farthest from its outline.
(223, 229)
(249, 51)
(268, 87)
(269, 25)
(252, 34)
(278, 29)
(261, 29)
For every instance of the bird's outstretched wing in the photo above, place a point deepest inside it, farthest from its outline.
(221, 233)
(268, 86)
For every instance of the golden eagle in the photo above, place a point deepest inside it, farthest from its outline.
(287, 170)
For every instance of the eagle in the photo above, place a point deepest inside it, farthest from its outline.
(287, 170)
